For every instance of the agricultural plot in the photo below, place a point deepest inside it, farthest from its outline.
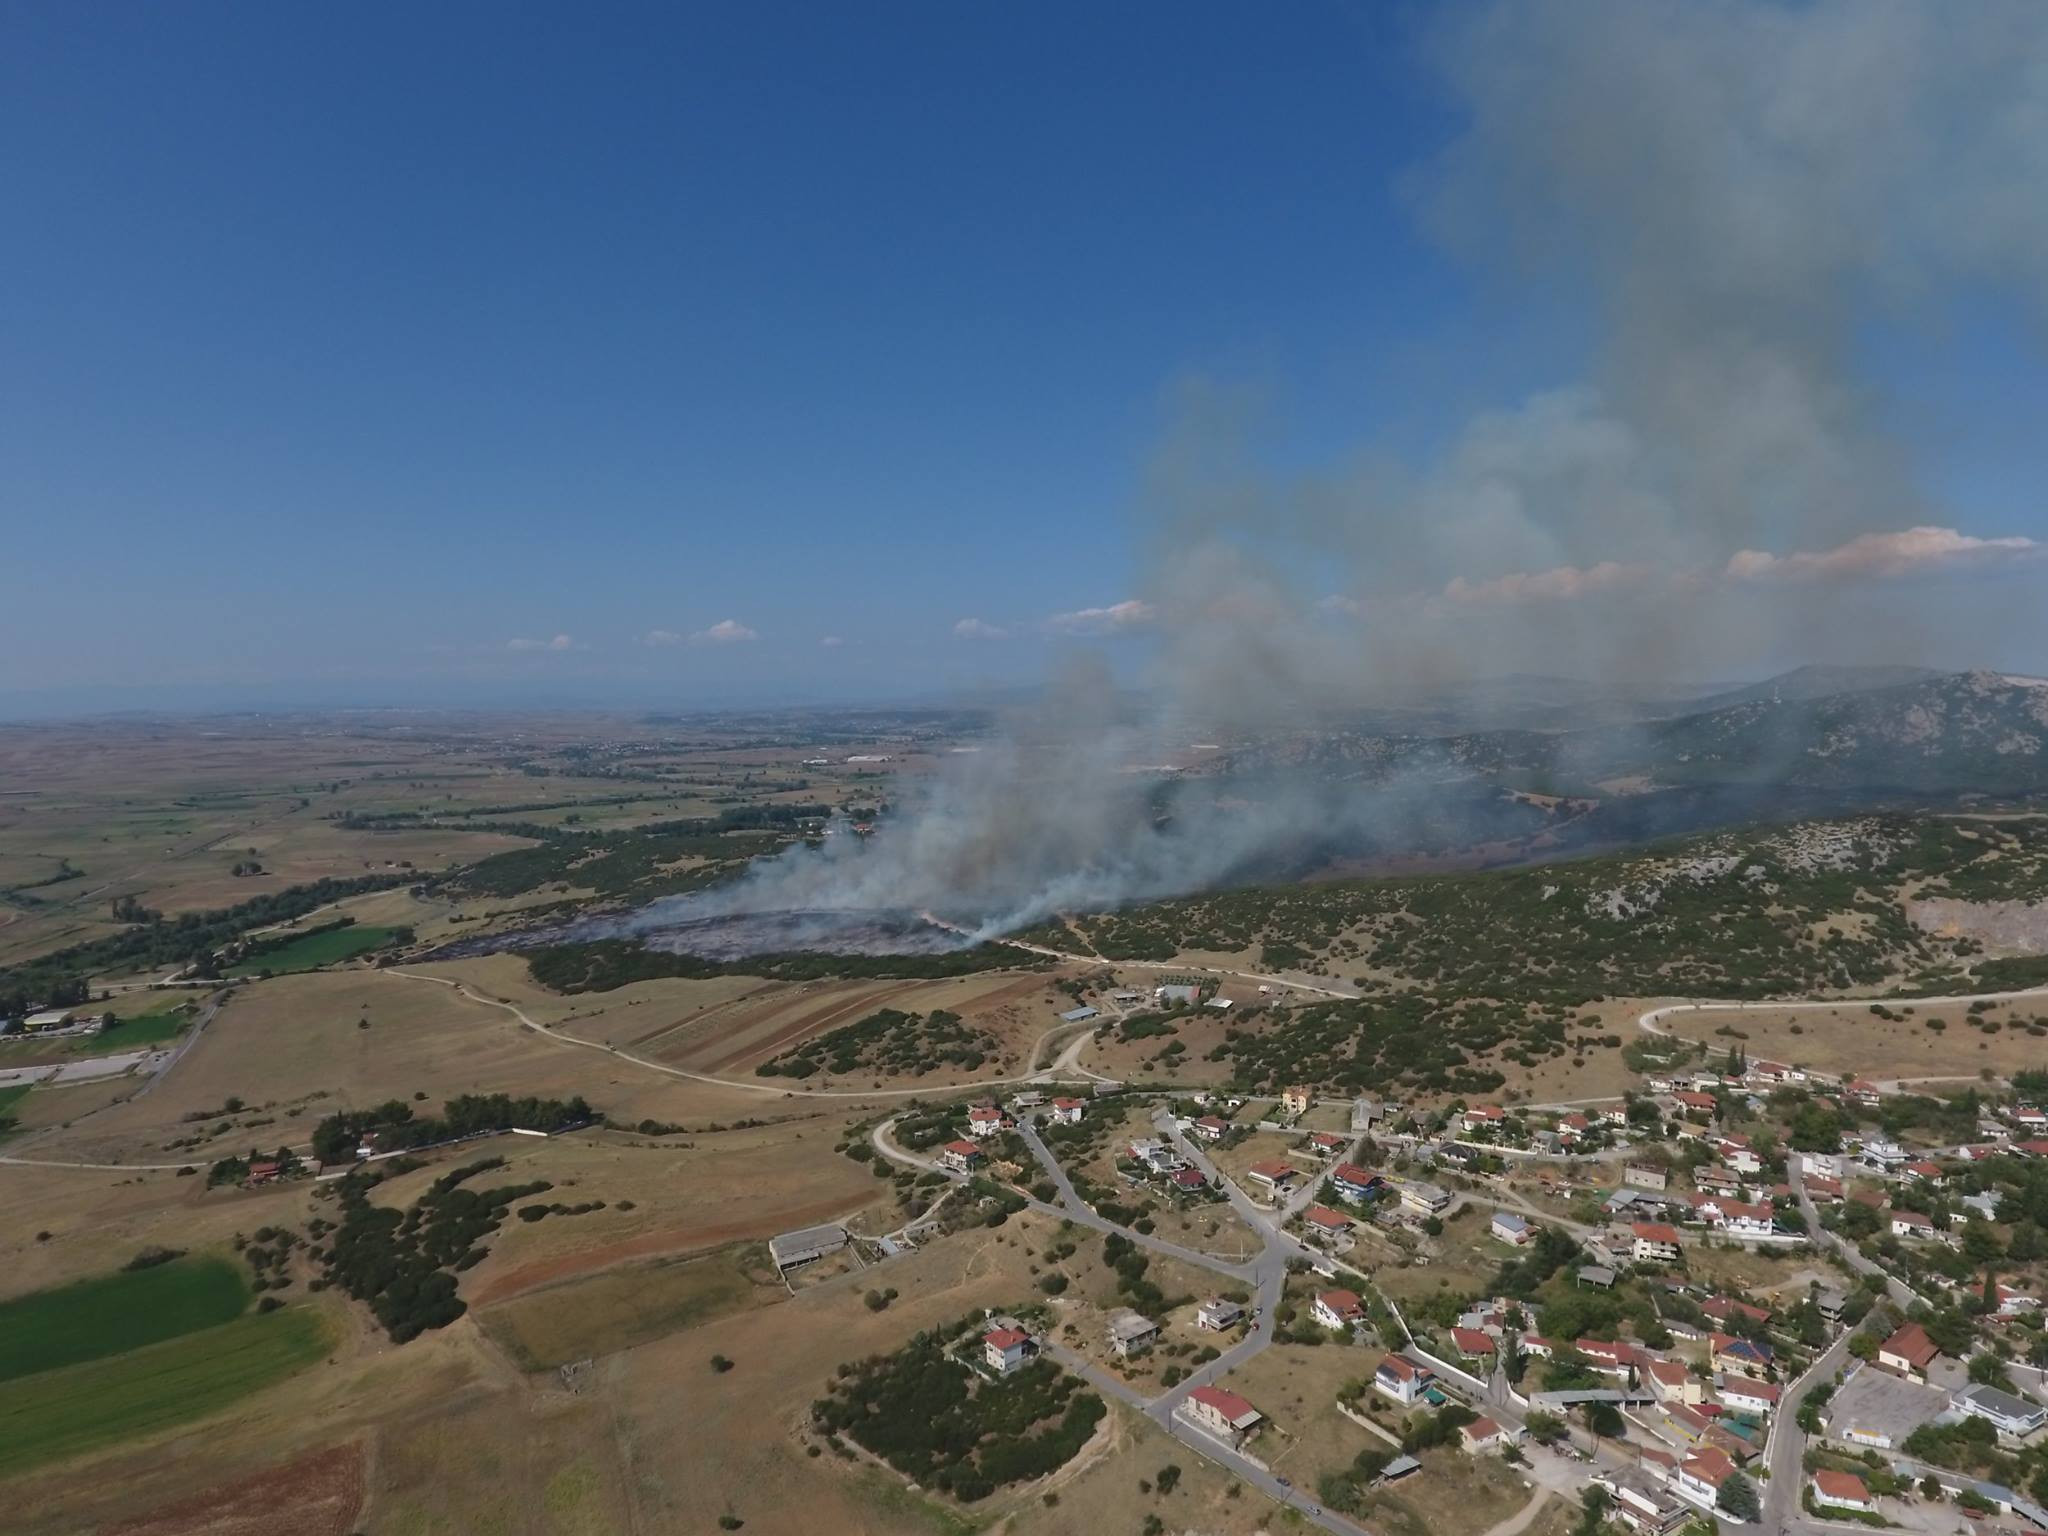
(314, 950)
(111, 1314)
(634, 1304)
(62, 1413)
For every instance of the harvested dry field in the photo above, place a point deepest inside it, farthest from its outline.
(314, 1495)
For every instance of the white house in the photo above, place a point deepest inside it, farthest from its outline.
(1007, 1349)
(1844, 1490)
(1069, 1111)
(1130, 1333)
(1402, 1379)
(1757, 1399)
(1510, 1228)
(1427, 1198)
(1911, 1224)
(1339, 1311)
(983, 1121)
(1218, 1315)
(1700, 1476)
(2014, 1418)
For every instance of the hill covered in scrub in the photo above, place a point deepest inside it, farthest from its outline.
(1942, 735)
(1815, 907)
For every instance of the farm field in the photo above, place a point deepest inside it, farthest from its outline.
(110, 1314)
(633, 1304)
(66, 1412)
(314, 950)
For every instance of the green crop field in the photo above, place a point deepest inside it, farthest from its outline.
(93, 1319)
(314, 950)
(145, 1029)
(67, 1412)
(9, 1097)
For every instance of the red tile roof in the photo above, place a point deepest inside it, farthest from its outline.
(1470, 1341)
(1273, 1169)
(1656, 1232)
(1233, 1408)
(1005, 1338)
(1912, 1345)
(1323, 1216)
(1844, 1486)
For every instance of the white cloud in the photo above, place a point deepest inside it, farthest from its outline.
(1115, 619)
(558, 643)
(661, 637)
(980, 629)
(831, 642)
(1562, 583)
(1882, 556)
(725, 632)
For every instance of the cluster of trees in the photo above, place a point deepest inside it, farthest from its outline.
(608, 964)
(924, 1413)
(394, 1125)
(58, 980)
(889, 1041)
(1624, 924)
(1138, 1291)
(402, 1264)
(1413, 1039)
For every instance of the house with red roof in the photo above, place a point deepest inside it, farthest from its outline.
(1483, 1435)
(1908, 1352)
(1212, 1128)
(1007, 1349)
(1276, 1176)
(960, 1156)
(1069, 1111)
(1473, 1343)
(985, 1120)
(1323, 1222)
(1701, 1475)
(1844, 1490)
(1223, 1414)
(1655, 1243)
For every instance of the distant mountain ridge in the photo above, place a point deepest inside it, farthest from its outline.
(1934, 734)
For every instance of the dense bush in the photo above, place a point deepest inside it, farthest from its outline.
(933, 1420)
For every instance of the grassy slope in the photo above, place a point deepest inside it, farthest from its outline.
(65, 1413)
(315, 949)
(93, 1319)
(145, 1029)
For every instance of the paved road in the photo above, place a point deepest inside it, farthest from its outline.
(206, 1013)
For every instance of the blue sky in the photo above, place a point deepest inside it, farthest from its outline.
(361, 352)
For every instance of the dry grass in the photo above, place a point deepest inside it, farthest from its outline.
(1852, 1041)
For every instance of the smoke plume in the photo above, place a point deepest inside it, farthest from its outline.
(1733, 194)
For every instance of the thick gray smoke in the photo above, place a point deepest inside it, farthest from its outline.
(1732, 193)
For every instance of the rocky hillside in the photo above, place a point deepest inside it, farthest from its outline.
(1971, 732)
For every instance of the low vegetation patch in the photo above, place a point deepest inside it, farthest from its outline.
(282, 954)
(612, 963)
(934, 1420)
(889, 1042)
(403, 1263)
